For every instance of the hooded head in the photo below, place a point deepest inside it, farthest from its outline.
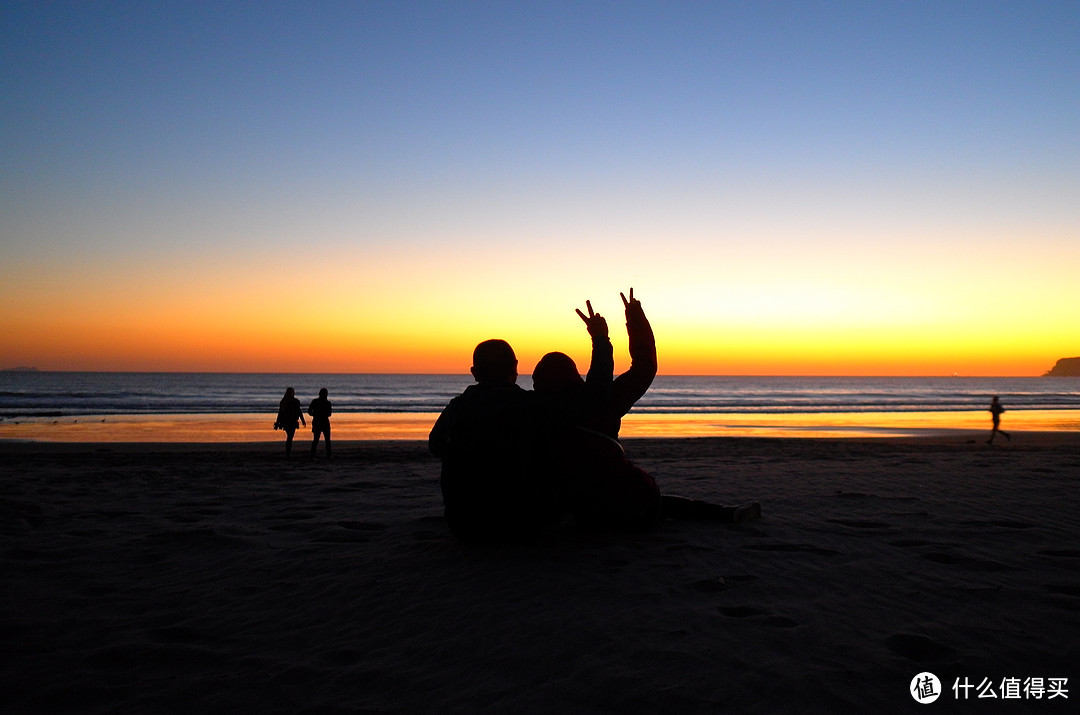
(556, 372)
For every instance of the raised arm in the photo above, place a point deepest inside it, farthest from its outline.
(640, 333)
(632, 384)
(602, 363)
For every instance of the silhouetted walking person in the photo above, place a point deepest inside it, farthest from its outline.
(995, 414)
(320, 410)
(289, 414)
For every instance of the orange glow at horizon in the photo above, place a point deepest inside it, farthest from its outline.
(391, 311)
(196, 343)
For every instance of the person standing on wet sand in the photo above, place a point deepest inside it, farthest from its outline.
(289, 413)
(995, 414)
(320, 409)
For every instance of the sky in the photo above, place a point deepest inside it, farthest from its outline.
(791, 188)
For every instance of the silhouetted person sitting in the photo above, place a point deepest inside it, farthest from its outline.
(604, 490)
(320, 410)
(563, 398)
(491, 478)
(995, 415)
(582, 420)
(289, 413)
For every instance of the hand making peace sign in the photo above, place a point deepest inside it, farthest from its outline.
(596, 323)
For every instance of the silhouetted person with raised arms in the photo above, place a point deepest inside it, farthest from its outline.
(582, 420)
(995, 416)
(601, 401)
(491, 477)
(629, 387)
(289, 413)
(563, 397)
(320, 410)
(579, 424)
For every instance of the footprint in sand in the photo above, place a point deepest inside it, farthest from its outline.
(760, 616)
(998, 524)
(718, 584)
(429, 535)
(796, 548)
(917, 648)
(912, 543)
(965, 562)
(859, 524)
(687, 547)
(362, 526)
(346, 537)
(16, 517)
(1064, 589)
(710, 585)
(1061, 553)
(354, 533)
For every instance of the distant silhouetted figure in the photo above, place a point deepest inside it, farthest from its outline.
(995, 415)
(320, 409)
(289, 414)
(486, 438)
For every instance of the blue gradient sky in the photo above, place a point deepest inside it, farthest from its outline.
(795, 188)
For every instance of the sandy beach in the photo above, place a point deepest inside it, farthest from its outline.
(221, 578)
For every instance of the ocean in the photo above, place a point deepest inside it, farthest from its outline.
(75, 394)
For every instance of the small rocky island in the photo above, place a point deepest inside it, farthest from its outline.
(1065, 367)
